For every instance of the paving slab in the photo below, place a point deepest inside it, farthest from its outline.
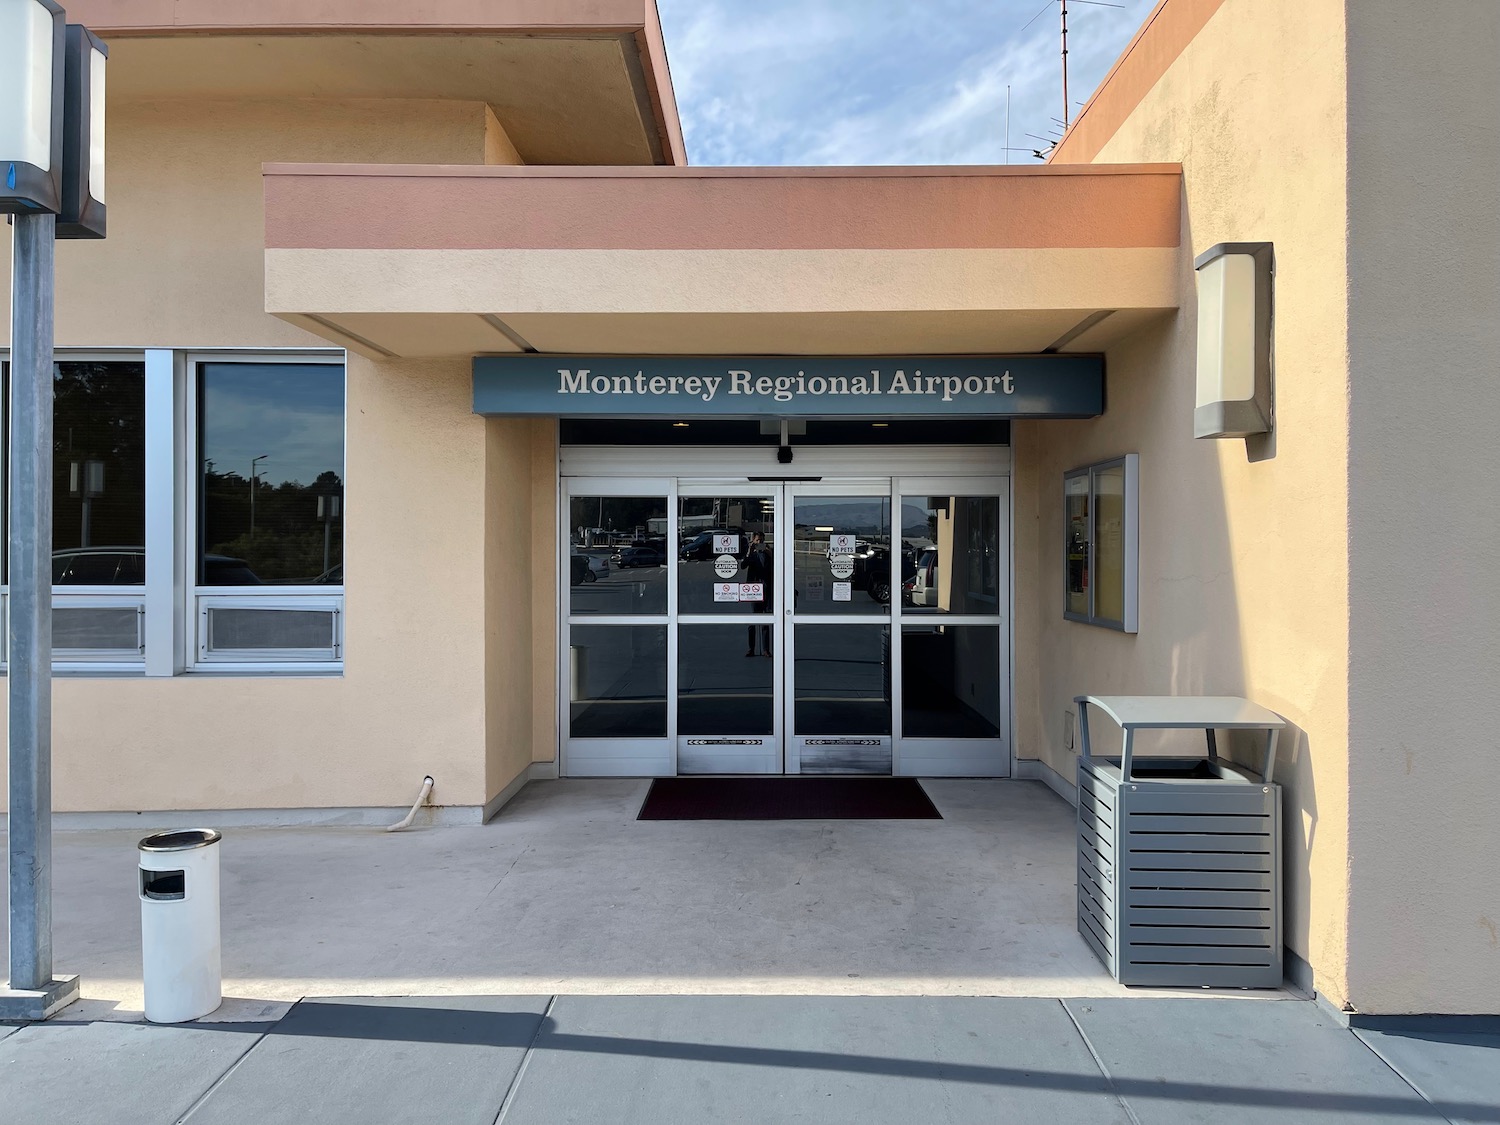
(759, 1060)
(1238, 1062)
(114, 1073)
(1458, 1073)
(369, 1060)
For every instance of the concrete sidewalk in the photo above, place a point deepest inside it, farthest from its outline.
(760, 1060)
(567, 893)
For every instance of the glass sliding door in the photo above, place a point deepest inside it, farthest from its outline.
(618, 644)
(728, 631)
(747, 627)
(952, 660)
(840, 580)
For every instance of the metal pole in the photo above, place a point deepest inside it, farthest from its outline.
(1065, 63)
(29, 684)
(1007, 123)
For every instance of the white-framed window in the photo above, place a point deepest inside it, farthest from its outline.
(265, 526)
(159, 565)
(98, 509)
(1101, 543)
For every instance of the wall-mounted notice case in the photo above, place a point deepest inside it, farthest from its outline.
(1101, 543)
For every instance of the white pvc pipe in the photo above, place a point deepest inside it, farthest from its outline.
(421, 800)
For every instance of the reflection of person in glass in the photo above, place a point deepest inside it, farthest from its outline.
(758, 569)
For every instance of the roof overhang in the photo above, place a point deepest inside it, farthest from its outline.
(427, 261)
(572, 81)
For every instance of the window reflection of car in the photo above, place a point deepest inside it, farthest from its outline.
(333, 576)
(921, 589)
(126, 566)
(99, 566)
(578, 569)
(629, 557)
(221, 570)
(701, 546)
(588, 567)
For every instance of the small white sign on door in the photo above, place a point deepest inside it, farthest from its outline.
(752, 591)
(841, 565)
(841, 544)
(726, 566)
(726, 544)
(843, 591)
(726, 591)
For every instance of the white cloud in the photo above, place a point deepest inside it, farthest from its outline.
(880, 81)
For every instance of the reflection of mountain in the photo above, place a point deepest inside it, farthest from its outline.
(914, 523)
(859, 517)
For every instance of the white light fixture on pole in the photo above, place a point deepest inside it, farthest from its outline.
(31, 93)
(82, 211)
(33, 142)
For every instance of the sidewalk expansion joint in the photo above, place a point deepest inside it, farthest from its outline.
(1399, 1073)
(230, 1069)
(515, 1083)
(1109, 1079)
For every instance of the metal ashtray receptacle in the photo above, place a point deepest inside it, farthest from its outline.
(180, 941)
(1179, 860)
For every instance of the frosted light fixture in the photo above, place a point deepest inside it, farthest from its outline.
(31, 97)
(82, 214)
(1234, 340)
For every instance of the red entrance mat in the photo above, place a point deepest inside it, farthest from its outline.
(787, 798)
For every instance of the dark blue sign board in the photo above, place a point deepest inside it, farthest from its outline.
(990, 386)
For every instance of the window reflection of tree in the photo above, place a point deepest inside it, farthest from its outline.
(99, 414)
(288, 542)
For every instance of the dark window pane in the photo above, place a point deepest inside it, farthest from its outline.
(1076, 511)
(721, 689)
(99, 473)
(950, 681)
(841, 561)
(707, 523)
(842, 679)
(622, 542)
(618, 681)
(271, 444)
(950, 554)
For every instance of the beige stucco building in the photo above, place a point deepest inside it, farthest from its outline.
(321, 214)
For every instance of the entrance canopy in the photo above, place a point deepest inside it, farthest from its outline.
(400, 260)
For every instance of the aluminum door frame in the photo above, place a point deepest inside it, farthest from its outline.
(774, 761)
(641, 757)
(884, 488)
(916, 757)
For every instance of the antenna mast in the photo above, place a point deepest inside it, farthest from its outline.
(1065, 63)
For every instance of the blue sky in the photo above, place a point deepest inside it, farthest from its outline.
(880, 81)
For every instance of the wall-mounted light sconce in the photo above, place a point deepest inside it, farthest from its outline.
(1234, 340)
(82, 213)
(31, 105)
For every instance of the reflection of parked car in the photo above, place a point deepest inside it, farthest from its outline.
(126, 566)
(701, 546)
(921, 589)
(588, 566)
(99, 566)
(629, 557)
(221, 570)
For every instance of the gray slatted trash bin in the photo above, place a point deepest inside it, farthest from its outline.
(1179, 860)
